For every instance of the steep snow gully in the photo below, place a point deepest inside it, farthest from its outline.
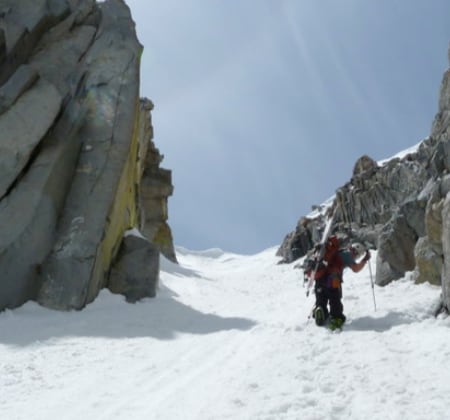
(228, 337)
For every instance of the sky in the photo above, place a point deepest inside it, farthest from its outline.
(262, 107)
(218, 344)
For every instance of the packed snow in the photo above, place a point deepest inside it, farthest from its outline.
(228, 337)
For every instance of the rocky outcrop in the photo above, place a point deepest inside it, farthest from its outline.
(428, 262)
(372, 196)
(308, 232)
(135, 273)
(77, 159)
(155, 187)
(375, 195)
(446, 253)
(396, 244)
(401, 207)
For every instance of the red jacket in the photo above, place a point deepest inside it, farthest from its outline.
(330, 274)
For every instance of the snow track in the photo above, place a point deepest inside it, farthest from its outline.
(228, 338)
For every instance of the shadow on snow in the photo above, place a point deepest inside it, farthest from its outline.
(162, 318)
(380, 324)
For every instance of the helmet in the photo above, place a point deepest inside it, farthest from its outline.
(358, 249)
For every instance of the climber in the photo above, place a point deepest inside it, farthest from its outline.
(328, 289)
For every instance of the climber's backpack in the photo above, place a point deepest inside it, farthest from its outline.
(317, 264)
(331, 248)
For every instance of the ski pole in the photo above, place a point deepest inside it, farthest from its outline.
(371, 283)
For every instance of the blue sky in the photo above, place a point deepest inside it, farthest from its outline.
(263, 106)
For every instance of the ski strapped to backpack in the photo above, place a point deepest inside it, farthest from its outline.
(321, 250)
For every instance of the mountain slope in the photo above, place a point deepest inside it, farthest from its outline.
(226, 338)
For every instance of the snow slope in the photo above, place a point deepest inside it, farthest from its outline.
(228, 337)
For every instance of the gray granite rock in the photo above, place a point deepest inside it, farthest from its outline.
(136, 269)
(112, 97)
(428, 263)
(76, 144)
(23, 127)
(446, 252)
(29, 215)
(20, 81)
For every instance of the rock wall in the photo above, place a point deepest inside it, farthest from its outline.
(401, 207)
(155, 187)
(376, 197)
(76, 146)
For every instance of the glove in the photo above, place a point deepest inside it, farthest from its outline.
(367, 256)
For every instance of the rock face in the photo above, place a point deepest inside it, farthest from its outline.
(401, 207)
(446, 252)
(155, 187)
(135, 274)
(77, 162)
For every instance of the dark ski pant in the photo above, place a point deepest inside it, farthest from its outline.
(331, 296)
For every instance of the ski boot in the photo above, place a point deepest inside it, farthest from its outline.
(336, 323)
(319, 316)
